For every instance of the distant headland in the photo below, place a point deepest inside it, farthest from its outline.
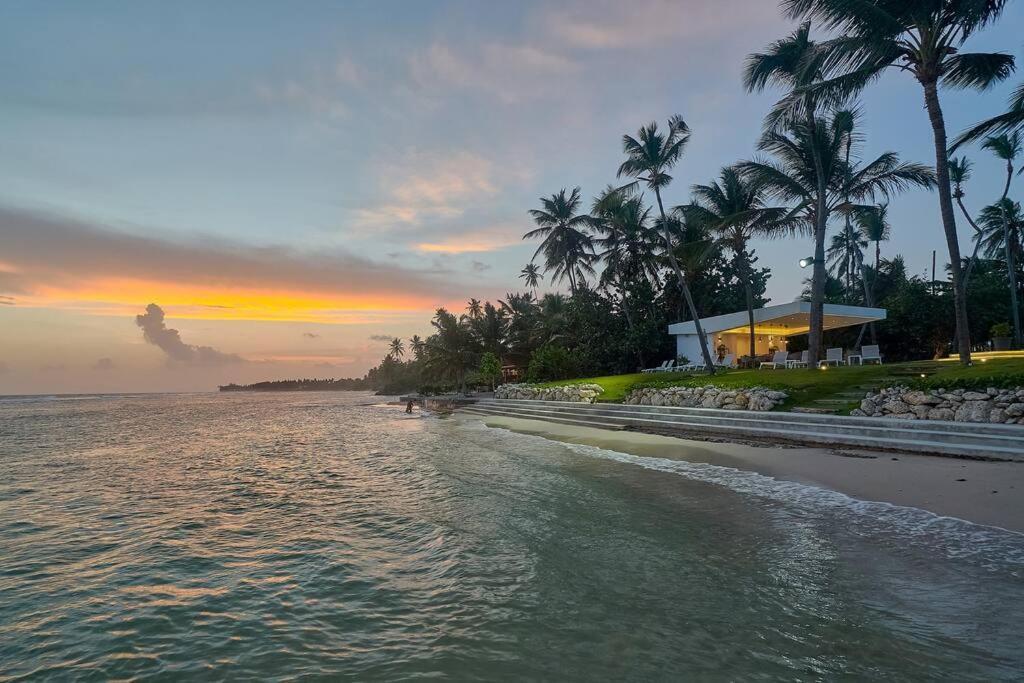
(346, 384)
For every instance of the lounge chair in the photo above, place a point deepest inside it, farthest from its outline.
(728, 362)
(779, 360)
(661, 368)
(832, 357)
(802, 363)
(870, 354)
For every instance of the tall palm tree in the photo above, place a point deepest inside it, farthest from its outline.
(521, 313)
(1007, 147)
(873, 224)
(1011, 120)
(567, 248)
(474, 309)
(845, 255)
(960, 173)
(796, 63)
(733, 208)
(993, 238)
(417, 345)
(450, 350)
(649, 158)
(489, 330)
(792, 176)
(531, 275)
(922, 38)
(397, 349)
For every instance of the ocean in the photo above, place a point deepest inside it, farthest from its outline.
(329, 535)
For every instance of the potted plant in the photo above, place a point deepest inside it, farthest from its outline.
(1001, 339)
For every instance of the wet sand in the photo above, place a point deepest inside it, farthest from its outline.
(990, 493)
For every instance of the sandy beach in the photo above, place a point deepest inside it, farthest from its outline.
(981, 492)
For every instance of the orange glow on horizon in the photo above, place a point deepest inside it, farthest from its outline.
(116, 296)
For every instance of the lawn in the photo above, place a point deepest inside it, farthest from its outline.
(840, 387)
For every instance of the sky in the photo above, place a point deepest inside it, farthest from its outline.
(293, 184)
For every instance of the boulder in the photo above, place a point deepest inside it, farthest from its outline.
(1015, 410)
(975, 396)
(973, 411)
(941, 414)
(997, 416)
(920, 398)
(896, 407)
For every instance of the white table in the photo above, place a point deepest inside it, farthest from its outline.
(854, 360)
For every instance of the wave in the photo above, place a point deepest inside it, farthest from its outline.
(993, 548)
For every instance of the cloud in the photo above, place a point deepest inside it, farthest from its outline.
(479, 266)
(381, 337)
(650, 24)
(512, 73)
(6, 300)
(59, 262)
(310, 335)
(104, 364)
(319, 92)
(156, 332)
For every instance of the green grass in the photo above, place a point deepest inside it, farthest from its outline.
(806, 386)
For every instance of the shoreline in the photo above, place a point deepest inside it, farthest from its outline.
(978, 491)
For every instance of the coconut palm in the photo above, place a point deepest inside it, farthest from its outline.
(845, 254)
(531, 275)
(450, 350)
(649, 158)
(993, 239)
(792, 176)
(397, 349)
(474, 309)
(489, 329)
(795, 63)
(960, 173)
(922, 38)
(417, 345)
(1007, 147)
(1011, 120)
(733, 208)
(568, 249)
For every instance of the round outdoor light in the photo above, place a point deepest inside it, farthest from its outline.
(804, 262)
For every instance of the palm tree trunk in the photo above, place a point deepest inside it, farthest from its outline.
(709, 364)
(977, 242)
(748, 286)
(963, 332)
(1011, 269)
(818, 277)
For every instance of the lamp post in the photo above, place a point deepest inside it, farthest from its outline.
(808, 261)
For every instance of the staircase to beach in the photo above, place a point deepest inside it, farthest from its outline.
(958, 439)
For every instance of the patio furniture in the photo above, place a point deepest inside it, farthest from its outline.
(661, 368)
(832, 357)
(728, 362)
(870, 354)
(802, 363)
(777, 361)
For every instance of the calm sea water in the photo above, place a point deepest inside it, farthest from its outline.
(324, 535)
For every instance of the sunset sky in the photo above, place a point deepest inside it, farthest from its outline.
(293, 183)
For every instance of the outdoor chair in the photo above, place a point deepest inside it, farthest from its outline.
(779, 360)
(832, 357)
(802, 363)
(870, 354)
(728, 362)
(661, 368)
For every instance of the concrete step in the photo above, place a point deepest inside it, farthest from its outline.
(955, 439)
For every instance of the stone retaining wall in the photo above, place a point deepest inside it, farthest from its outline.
(575, 393)
(1000, 406)
(754, 398)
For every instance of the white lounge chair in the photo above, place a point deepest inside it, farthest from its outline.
(832, 357)
(661, 368)
(870, 354)
(728, 362)
(802, 363)
(777, 361)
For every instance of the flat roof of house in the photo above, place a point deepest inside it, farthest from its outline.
(784, 320)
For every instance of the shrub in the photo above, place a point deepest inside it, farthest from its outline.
(490, 369)
(436, 389)
(1000, 330)
(550, 362)
(1002, 381)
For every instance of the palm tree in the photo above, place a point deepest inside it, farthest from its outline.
(795, 63)
(489, 330)
(474, 309)
(397, 348)
(449, 351)
(521, 313)
(649, 157)
(733, 208)
(792, 176)
(417, 345)
(960, 173)
(873, 224)
(568, 250)
(531, 275)
(845, 255)
(1007, 146)
(922, 38)
(1011, 120)
(993, 238)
